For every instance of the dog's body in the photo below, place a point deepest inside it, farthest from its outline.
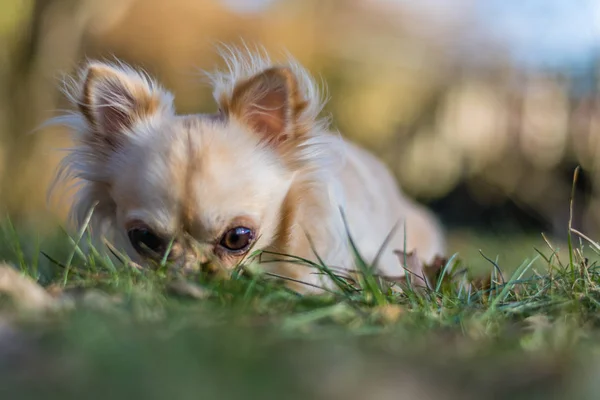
(263, 173)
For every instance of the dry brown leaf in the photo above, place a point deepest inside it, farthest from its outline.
(434, 270)
(412, 266)
(481, 283)
(99, 300)
(24, 292)
(185, 288)
(537, 322)
(55, 290)
(390, 313)
(421, 274)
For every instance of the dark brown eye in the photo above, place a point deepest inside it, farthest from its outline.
(237, 239)
(144, 241)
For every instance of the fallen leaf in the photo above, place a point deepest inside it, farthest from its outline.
(412, 267)
(185, 288)
(99, 300)
(24, 292)
(537, 322)
(389, 313)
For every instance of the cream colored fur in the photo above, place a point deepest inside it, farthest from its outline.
(265, 160)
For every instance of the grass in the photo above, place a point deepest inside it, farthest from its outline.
(529, 331)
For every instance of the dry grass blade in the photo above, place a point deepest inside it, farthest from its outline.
(594, 244)
(119, 256)
(571, 203)
(82, 230)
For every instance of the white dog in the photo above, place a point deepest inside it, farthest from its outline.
(263, 172)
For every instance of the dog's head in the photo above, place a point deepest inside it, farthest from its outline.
(207, 187)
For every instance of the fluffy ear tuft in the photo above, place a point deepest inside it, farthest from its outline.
(270, 102)
(113, 98)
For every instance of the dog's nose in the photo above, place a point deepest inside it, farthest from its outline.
(199, 258)
(202, 258)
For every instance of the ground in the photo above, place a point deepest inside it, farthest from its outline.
(80, 326)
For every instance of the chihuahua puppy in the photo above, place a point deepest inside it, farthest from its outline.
(262, 173)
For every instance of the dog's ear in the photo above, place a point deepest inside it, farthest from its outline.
(270, 103)
(114, 98)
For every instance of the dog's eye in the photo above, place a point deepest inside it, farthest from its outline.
(144, 240)
(237, 239)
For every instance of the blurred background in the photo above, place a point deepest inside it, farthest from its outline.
(482, 108)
